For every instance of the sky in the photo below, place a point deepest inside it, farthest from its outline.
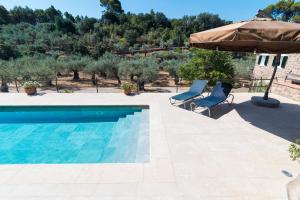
(232, 10)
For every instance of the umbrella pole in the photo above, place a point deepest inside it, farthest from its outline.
(277, 63)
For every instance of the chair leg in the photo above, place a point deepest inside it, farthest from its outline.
(232, 98)
(172, 102)
(192, 106)
(209, 112)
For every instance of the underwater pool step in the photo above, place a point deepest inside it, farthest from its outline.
(130, 136)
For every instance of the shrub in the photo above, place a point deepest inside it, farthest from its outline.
(294, 151)
(243, 67)
(30, 84)
(210, 65)
(128, 86)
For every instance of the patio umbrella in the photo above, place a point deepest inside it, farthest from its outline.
(259, 35)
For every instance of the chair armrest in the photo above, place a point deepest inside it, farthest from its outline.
(232, 98)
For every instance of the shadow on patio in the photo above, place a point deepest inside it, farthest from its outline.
(283, 121)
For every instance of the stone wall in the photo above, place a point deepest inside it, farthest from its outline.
(281, 87)
(293, 64)
(287, 89)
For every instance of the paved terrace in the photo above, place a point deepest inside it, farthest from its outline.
(240, 154)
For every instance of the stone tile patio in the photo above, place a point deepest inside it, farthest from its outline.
(240, 153)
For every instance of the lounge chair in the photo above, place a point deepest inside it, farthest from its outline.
(196, 90)
(220, 94)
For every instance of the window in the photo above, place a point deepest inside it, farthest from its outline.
(263, 60)
(283, 61)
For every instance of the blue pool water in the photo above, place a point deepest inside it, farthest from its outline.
(77, 134)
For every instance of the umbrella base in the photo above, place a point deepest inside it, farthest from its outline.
(270, 103)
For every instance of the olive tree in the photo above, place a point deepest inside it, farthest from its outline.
(107, 64)
(94, 68)
(75, 64)
(143, 69)
(173, 66)
(34, 69)
(7, 74)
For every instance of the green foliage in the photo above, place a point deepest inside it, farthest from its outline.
(65, 25)
(7, 51)
(171, 61)
(86, 25)
(66, 91)
(107, 64)
(75, 64)
(30, 84)
(209, 65)
(143, 69)
(113, 9)
(49, 32)
(33, 69)
(128, 86)
(243, 67)
(4, 15)
(7, 71)
(52, 14)
(19, 14)
(112, 5)
(294, 151)
(286, 10)
(173, 66)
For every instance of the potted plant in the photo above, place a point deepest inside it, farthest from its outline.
(128, 88)
(30, 87)
(293, 186)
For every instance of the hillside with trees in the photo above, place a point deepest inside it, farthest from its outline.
(46, 45)
(50, 31)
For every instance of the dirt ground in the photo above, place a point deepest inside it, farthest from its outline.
(66, 84)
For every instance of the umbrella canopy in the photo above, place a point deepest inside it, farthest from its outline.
(258, 35)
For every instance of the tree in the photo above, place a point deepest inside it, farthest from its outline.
(34, 68)
(113, 9)
(41, 16)
(173, 66)
(52, 14)
(69, 17)
(7, 51)
(44, 32)
(19, 14)
(113, 6)
(285, 10)
(143, 69)
(4, 16)
(86, 25)
(94, 68)
(65, 25)
(7, 74)
(107, 64)
(75, 64)
(209, 65)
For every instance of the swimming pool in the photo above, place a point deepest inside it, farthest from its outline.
(74, 134)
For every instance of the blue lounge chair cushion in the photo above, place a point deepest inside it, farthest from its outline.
(209, 101)
(185, 96)
(196, 90)
(219, 94)
(218, 91)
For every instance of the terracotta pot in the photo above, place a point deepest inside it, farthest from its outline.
(30, 91)
(127, 92)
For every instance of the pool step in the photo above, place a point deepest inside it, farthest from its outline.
(126, 141)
